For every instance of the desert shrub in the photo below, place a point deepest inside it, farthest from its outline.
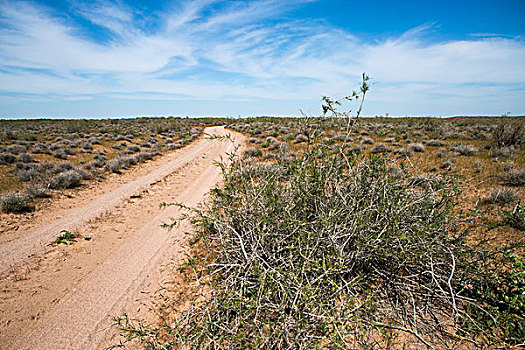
(63, 167)
(67, 179)
(455, 136)
(98, 163)
(367, 141)
(252, 152)
(7, 158)
(30, 173)
(403, 152)
(87, 146)
(505, 135)
(353, 150)
(416, 147)
(114, 165)
(478, 165)
(508, 166)
(69, 151)
(502, 152)
(320, 252)
(501, 196)
(514, 178)
(380, 148)
(16, 149)
(37, 191)
(464, 150)
(15, 203)
(516, 219)
(60, 154)
(435, 143)
(395, 172)
(26, 158)
(300, 138)
(133, 149)
(41, 149)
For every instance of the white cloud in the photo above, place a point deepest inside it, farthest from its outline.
(215, 50)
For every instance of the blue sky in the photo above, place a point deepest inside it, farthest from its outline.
(79, 59)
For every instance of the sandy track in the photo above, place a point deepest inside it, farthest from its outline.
(66, 298)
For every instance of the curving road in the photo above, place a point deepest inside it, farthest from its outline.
(66, 298)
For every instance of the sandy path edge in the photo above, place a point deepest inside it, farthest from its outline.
(36, 241)
(68, 300)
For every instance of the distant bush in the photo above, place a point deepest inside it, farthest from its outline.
(16, 149)
(502, 152)
(416, 147)
(300, 138)
(367, 141)
(501, 196)
(60, 154)
(516, 218)
(114, 165)
(252, 152)
(37, 191)
(380, 148)
(67, 179)
(133, 149)
(515, 178)
(26, 158)
(435, 143)
(505, 135)
(464, 150)
(7, 158)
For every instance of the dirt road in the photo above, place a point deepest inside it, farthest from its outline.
(63, 297)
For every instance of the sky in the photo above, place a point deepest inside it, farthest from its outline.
(118, 58)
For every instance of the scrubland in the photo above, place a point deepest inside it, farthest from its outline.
(333, 232)
(342, 232)
(39, 158)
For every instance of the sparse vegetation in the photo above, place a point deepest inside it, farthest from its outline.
(321, 246)
(35, 151)
(66, 237)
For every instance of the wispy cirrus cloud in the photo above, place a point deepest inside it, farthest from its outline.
(220, 50)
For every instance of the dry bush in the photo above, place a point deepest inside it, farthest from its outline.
(67, 179)
(464, 150)
(501, 196)
(252, 152)
(15, 202)
(380, 148)
(505, 135)
(514, 178)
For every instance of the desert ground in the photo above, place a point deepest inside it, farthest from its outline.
(90, 258)
(65, 296)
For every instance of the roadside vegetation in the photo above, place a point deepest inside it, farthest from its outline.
(41, 157)
(340, 232)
